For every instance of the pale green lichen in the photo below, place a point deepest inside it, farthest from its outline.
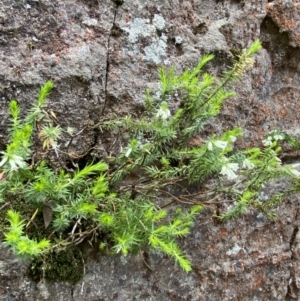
(142, 28)
(156, 52)
(159, 22)
(139, 28)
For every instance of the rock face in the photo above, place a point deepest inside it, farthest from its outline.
(102, 55)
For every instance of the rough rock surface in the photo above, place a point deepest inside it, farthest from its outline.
(101, 58)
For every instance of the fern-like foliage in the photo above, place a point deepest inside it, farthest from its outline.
(120, 197)
(20, 243)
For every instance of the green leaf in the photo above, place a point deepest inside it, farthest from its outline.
(12, 237)
(89, 170)
(196, 209)
(14, 109)
(171, 249)
(256, 46)
(14, 112)
(124, 243)
(44, 92)
(106, 219)
(14, 218)
(44, 244)
(159, 215)
(86, 208)
(100, 187)
(60, 223)
(24, 247)
(204, 60)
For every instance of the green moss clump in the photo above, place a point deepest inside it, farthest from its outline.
(36, 229)
(67, 265)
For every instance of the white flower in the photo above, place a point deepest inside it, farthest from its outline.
(14, 161)
(163, 112)
(295, 173)
(248, 164)
(133, 146)
(228, 169)
(232, 138)
(129, 151)
(218, 143)
(267, 141)
(278, 137)
(70, 130)
(3, 161)
(278, 160)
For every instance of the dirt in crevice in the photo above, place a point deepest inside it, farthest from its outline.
(72, 294)
(292, 290)
(293, 238)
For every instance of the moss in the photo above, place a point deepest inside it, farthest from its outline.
(36, 229)
(67, 265)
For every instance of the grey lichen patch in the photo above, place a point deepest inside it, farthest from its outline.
(235, 250)
(90, 22)
(159, 22)
(142, 28)
(139, 28)
(156, 52)
(178, 40)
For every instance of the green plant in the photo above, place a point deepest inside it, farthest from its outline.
(20, 243)
(119, 201)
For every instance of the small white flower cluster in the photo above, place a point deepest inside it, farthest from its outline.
(273, 136)
(128, 152)
(278, 137)
(294, 171)
(216, 143)
(163, 112)
(229, 169)
(14, 161)
(268, 141)
(219, 143)
(247, 164)
(132, 147)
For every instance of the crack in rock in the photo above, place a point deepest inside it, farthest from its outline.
(107, 60)
(293, 285)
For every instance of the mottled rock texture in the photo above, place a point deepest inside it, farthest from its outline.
(101, 57)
